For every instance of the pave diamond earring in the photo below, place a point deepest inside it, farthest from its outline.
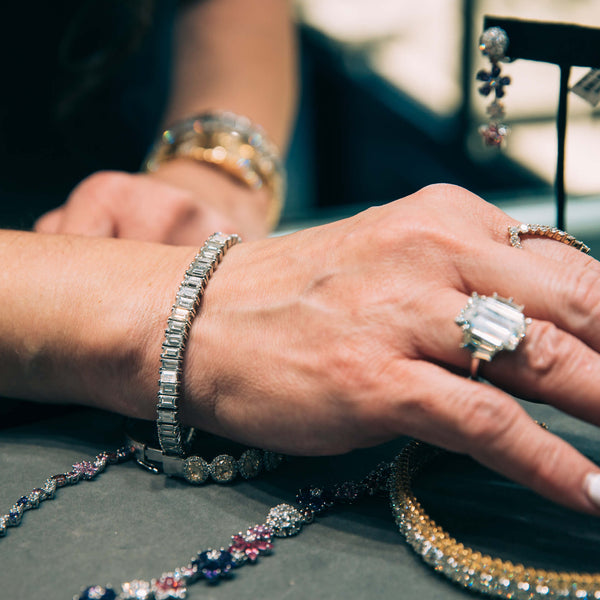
(493, 44)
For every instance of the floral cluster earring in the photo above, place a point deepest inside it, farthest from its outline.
(493, 44)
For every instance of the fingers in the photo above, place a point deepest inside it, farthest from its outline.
(549, 364)
(567, 295)
(79, 219)
(484, 422)
(472, 238)
(552, 366)
(548, 244)
(114, 204)
(50, 222)
(469, 214)
(84, 213)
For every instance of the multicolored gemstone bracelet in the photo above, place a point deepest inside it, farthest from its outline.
(460, 564)
(84, 470)
(211, 565)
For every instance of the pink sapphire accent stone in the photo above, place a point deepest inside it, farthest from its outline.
(86, 469)
(169, 586)
(249, 546)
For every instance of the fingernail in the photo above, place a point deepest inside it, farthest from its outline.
(592, 487)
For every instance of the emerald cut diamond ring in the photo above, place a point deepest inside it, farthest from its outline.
(490, 325)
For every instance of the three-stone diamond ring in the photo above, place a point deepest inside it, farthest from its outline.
(490, 325)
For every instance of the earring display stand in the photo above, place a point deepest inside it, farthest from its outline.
(566, 46)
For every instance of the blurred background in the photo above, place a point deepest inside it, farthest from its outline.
(390, 104)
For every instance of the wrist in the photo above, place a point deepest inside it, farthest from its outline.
(246, 210)
(89, 331)
(135, 339)
(231, 143)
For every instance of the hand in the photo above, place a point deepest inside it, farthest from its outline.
(343, 336)
(182, 203)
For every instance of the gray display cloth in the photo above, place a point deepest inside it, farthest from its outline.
(128, 523)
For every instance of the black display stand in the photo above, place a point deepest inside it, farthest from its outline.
(564, 45)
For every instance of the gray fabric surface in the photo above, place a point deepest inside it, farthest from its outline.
(130, 524)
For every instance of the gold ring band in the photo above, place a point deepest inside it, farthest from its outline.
(515, 233)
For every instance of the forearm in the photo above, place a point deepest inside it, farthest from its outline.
(82, 318)
(237, 55)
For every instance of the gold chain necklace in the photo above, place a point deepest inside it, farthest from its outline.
(463, 565)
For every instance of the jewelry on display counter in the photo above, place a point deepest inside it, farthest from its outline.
(84, 470)
(466, 567)
(211, 565)
(462, 565)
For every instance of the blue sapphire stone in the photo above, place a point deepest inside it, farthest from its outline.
(214, 564)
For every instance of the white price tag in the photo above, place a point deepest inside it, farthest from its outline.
(588, 87)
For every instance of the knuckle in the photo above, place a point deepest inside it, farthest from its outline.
(417, 225)
(358, 377)
(184, 206)
(417, 412)
(447, 193)
(102, 185)
(543, 348)
(489, 421)
(584, 294)
(590, 263)
(412, 232)
(383, 403)
(180, 204)
(546, 462)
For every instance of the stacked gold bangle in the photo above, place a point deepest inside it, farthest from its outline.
(463, 565)
(230, 142)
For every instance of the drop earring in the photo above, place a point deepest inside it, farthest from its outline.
(493, 43)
